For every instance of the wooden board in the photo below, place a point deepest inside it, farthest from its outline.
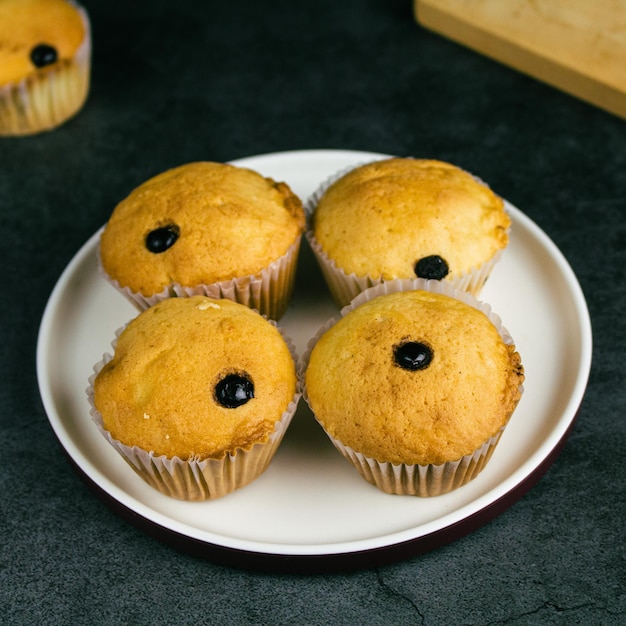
(578, 46)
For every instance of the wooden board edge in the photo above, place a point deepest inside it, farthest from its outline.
(514, 55)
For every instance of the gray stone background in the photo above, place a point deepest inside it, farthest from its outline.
(179, 81)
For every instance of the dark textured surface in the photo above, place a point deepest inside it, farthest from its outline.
(180, 81)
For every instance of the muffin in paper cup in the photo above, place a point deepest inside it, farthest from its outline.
(47, 81)
(205, 228)
(177, 401)
(414, 385)
(402, 218)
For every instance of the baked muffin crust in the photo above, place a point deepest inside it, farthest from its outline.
(25, 24)
(440, 413)
(230, 222)
(159, 390)
(381, 218)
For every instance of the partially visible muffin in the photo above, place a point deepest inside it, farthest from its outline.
(406, 218)
(414, 386)
(206, 228)
(45, 57)
(197, 395)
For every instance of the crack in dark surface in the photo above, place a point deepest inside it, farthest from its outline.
(390, 591)
(547, 605)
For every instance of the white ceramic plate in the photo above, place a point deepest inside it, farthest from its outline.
(311, 510)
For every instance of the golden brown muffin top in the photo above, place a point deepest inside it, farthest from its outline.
(226, 221)
(381, 218)
(180, 365)
(365, 385)
(26, 25)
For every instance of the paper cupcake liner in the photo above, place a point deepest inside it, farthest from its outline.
(414, 479)
(268, 292)
(197, 479)
(420, 480)
(344, 287)
(48, 97)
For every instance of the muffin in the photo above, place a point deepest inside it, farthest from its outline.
(206, 229)
(414, 385)
(406, 218)
(45, 57)
(197, 395)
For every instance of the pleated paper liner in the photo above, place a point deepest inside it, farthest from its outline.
(268, 291)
